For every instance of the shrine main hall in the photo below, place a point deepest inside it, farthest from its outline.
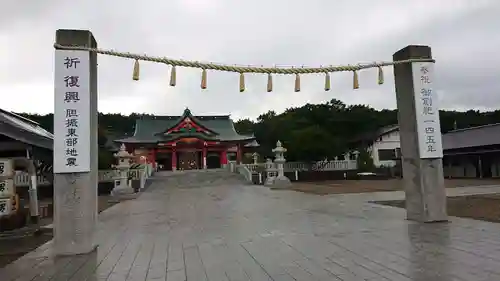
(188, 142)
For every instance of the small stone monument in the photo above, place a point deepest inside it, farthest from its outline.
(255, 157)
(122, 190)
(347, 156)
(270, 172)
(356, 155)
(281, 181)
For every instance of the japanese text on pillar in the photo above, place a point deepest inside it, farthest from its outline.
(72, 112)
(71, 121)
(428, 112)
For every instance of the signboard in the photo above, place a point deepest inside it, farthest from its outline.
(7, 188)
(72, 112)
(6, 168)
(427, 111)
(5, 206)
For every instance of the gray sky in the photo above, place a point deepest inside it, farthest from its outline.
(463, 35)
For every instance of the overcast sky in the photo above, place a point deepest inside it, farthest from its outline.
(463, 35)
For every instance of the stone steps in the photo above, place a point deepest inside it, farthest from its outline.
(199, 178)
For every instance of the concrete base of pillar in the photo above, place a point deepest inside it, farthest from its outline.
(269, 181)
(123, 197)
(281, 182)
(124, 192)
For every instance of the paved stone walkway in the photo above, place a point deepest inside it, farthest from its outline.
(246, 232)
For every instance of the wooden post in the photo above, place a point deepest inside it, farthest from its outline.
(420, 134)
(75, 144)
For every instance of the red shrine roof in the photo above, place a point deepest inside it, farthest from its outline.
(152, 130)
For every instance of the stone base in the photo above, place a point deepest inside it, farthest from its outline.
(269, 181)
(122, 197)
(74, 252)
(123, 193)
(281, 182)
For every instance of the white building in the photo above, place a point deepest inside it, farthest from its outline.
(385, 147)
(468, 153)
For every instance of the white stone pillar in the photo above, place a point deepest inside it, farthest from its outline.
(420, 136)
(75, 176)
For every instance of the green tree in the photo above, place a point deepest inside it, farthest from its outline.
(105, 157)
(309, 132)
(365, 161)
(312, 143)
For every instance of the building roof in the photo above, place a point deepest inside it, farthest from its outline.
(463, 138)
(152, 129)
(24, 130)
(472, 137)
(369, 137)
(386, 130)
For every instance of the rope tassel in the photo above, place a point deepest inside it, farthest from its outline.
(242, 82)
(173, 77)
(327, 81)
(204, 79)
(297, 83)
(355, 82)
(269, 83)
(135, 74)
(380, 76)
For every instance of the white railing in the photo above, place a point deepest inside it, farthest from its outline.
(296, 166)
(333, 165)
(337, 165)
(22, 178)
(254, 167)
(243, 170)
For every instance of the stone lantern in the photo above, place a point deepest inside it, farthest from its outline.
(270, 172)
(281, 181)
(122, 186)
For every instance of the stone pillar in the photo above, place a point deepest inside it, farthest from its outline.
(174, 159)
(420, 136)
(75, 194)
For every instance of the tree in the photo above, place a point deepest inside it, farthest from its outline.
(312, 143)
(365, 161)
(309, 132)
(105, 157)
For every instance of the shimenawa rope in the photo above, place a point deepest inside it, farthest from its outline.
(245, 69)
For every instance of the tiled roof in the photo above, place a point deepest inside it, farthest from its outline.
(465, 138)
(149, 129)
(24, 130)
(472, 137)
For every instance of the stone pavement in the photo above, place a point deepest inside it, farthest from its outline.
(247, 232)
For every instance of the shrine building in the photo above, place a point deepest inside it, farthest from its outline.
(188, 142)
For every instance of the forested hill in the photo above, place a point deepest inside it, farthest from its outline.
(310, 132)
